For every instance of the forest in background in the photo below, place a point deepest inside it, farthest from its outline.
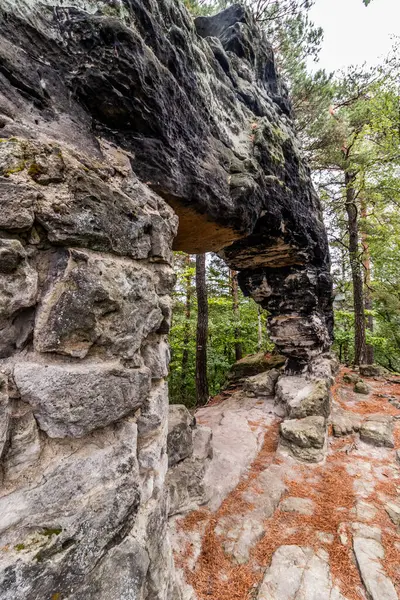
(348, 124)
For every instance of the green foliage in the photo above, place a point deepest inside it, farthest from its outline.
(350, 122)
(202, 7)
(222, 327)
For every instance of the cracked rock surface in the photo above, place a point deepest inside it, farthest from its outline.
(286, 530)
(127, 131)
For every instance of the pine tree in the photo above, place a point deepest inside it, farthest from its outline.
(202, 392)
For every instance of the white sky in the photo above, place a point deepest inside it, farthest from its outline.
(354, 33)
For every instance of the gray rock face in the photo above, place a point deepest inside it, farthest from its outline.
(136, 116)
(72, 400)
(12, 194)
(378, 431)
(262, 384)
(305, 438)
(100, 303)
(180, 434)
(296, 573)
(186, 486)
(18, 279)
(369, 553)
(4, 414)
(344, 422)
(189, 449)
(85, 506)
(302, 506)
(302, 398)
(24, 443)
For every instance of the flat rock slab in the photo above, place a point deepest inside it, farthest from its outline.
(393, 510)
(302, 506)
(302, 398)
(242, 531)
(298, 573)
(365, 511)
(369, 553)
(253, 364)
(378, 431)
(238, 425)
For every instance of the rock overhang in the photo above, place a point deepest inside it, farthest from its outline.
(115, 119)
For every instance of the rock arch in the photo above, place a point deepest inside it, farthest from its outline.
(115, 119)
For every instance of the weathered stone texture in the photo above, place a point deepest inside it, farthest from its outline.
(299, 572)
(116, 119)
(304, 438)
(378, 430)
(262, 384)
(73, 400)
(303, 398)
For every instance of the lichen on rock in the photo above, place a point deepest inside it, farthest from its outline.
(116, 121)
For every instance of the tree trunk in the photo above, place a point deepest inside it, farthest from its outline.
(186, 335)
(260, 335)
(358, 295)
(369, 350)
(202, 331)
(236, 314)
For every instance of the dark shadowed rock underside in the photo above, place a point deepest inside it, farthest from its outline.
(115, 119)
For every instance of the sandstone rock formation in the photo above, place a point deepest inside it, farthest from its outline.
(117, 118)
(189, 448)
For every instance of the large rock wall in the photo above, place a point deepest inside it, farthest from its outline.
(115, 118)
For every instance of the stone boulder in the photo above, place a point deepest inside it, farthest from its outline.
(371, 371)
(360, 387)
(262, 384)
(351, 378)
(377, 430)
(304, 438)
(202, 442)
(325, 367)
(302, 398)
(254, 364)
(185, 482)
(344, 422)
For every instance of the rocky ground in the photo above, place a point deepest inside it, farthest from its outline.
(279, 529)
